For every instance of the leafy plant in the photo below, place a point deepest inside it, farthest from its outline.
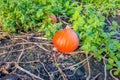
(24, 15)
(89, 23)
(106, 7)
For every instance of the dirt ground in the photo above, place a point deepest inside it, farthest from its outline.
(29, 56)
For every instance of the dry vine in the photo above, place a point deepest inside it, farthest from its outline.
(30, 54)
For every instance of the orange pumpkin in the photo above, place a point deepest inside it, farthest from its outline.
(65, 40)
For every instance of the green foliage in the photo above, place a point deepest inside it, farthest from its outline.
(86, 16)
(24, 15)
(88, 21)
(104, 6)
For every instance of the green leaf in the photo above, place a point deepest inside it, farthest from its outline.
(76, 15)
(108, 67)
(118, 64)
(118, 55)
(110, 61)
(116, 72)
(39, 13)
(94, 48)
(111, 46)
(115, 58)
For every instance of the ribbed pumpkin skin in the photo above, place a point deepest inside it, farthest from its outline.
(65, 40)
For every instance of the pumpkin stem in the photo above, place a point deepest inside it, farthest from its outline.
(68, 26)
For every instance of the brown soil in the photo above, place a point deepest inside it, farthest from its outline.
(29, 56)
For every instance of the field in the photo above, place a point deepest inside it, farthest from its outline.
(27, 49)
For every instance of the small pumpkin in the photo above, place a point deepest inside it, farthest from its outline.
(53, 18)
(65, 40)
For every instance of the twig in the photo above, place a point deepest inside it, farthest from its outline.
(40, 46)
(118, 12)
(24, 35)
(116, 37)
(32, 75)
(76, 69)
(41, 38)
(94, 78)
(21, 54)
(89, 70)
(59, 69)
(18, 75)
(63, 75)
(105, 71)
(28, 62)
(46, 70)
(15, 51)
(3, 68)
(27, 43)
(104, 61)
(63, 21)
(76, 52)
(81, 62)
(108, 21)
(112, 74)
